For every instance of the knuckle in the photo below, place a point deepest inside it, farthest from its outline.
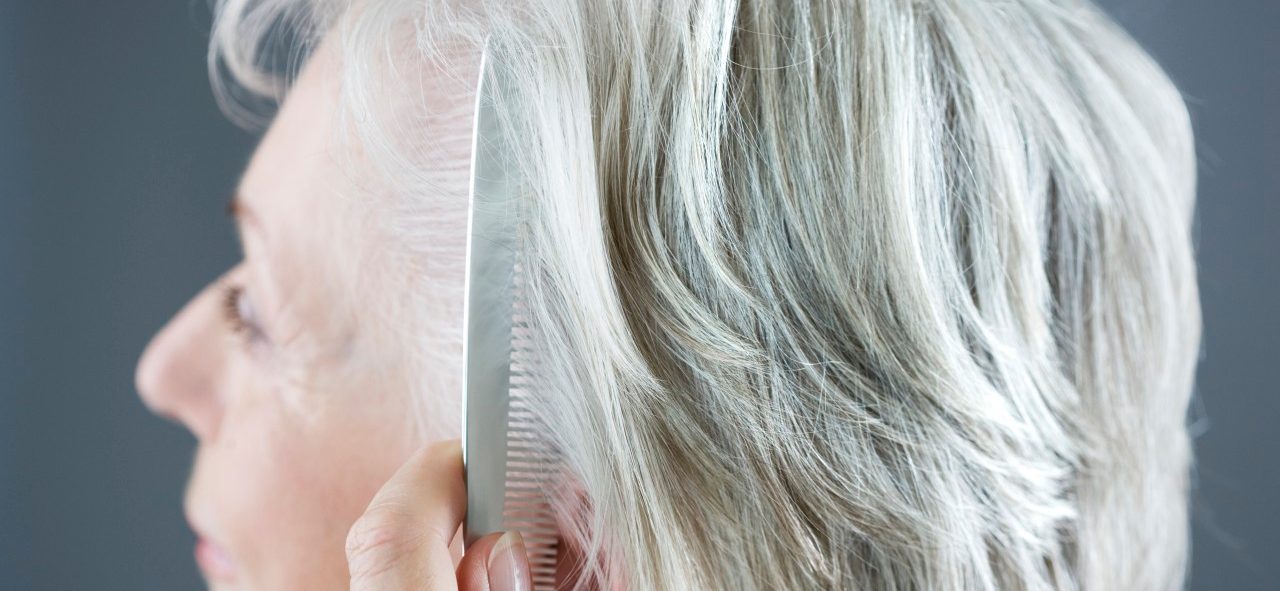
(380, 539)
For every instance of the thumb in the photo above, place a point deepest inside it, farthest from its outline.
(496, 562)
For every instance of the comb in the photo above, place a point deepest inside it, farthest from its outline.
(505, 463)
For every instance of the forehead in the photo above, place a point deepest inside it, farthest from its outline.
(332, 205)
(334, 133)
(303, 231)
(293, 165)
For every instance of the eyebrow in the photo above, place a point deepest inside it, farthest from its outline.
(245, 217)
(240, 211)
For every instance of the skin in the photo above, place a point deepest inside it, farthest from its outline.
(299, 412)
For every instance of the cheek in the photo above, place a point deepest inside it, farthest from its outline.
(293, 484)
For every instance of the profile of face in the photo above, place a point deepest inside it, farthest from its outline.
(281, 370)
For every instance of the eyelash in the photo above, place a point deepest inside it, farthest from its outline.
(242, 323)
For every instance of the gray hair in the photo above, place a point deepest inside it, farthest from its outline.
(827, 294)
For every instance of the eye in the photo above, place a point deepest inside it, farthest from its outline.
(239, 313)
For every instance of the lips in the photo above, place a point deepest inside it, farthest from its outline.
(213, 558)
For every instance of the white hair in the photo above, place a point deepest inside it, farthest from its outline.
(828, 294)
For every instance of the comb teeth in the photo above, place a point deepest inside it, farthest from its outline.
(529, 463)
(525, 507)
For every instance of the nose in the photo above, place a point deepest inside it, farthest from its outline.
(180, 375)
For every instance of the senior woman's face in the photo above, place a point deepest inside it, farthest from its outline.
(296, 400)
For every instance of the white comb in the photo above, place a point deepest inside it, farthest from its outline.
(505, 463)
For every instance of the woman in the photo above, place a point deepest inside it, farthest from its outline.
(828, 294)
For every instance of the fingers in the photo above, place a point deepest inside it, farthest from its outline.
(401, 542)
(496, 562)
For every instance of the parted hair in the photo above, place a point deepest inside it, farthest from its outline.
(826, 294)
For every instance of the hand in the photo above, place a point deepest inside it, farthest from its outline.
(403, 541)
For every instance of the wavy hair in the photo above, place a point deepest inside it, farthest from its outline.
(826, 293)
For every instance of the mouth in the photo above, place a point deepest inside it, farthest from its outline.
(213, 558)
(214, 561)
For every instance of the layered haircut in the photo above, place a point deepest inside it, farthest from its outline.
(850, 294)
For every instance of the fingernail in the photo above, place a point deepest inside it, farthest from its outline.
(509, 565)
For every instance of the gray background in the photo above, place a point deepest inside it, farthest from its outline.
(115, 166)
